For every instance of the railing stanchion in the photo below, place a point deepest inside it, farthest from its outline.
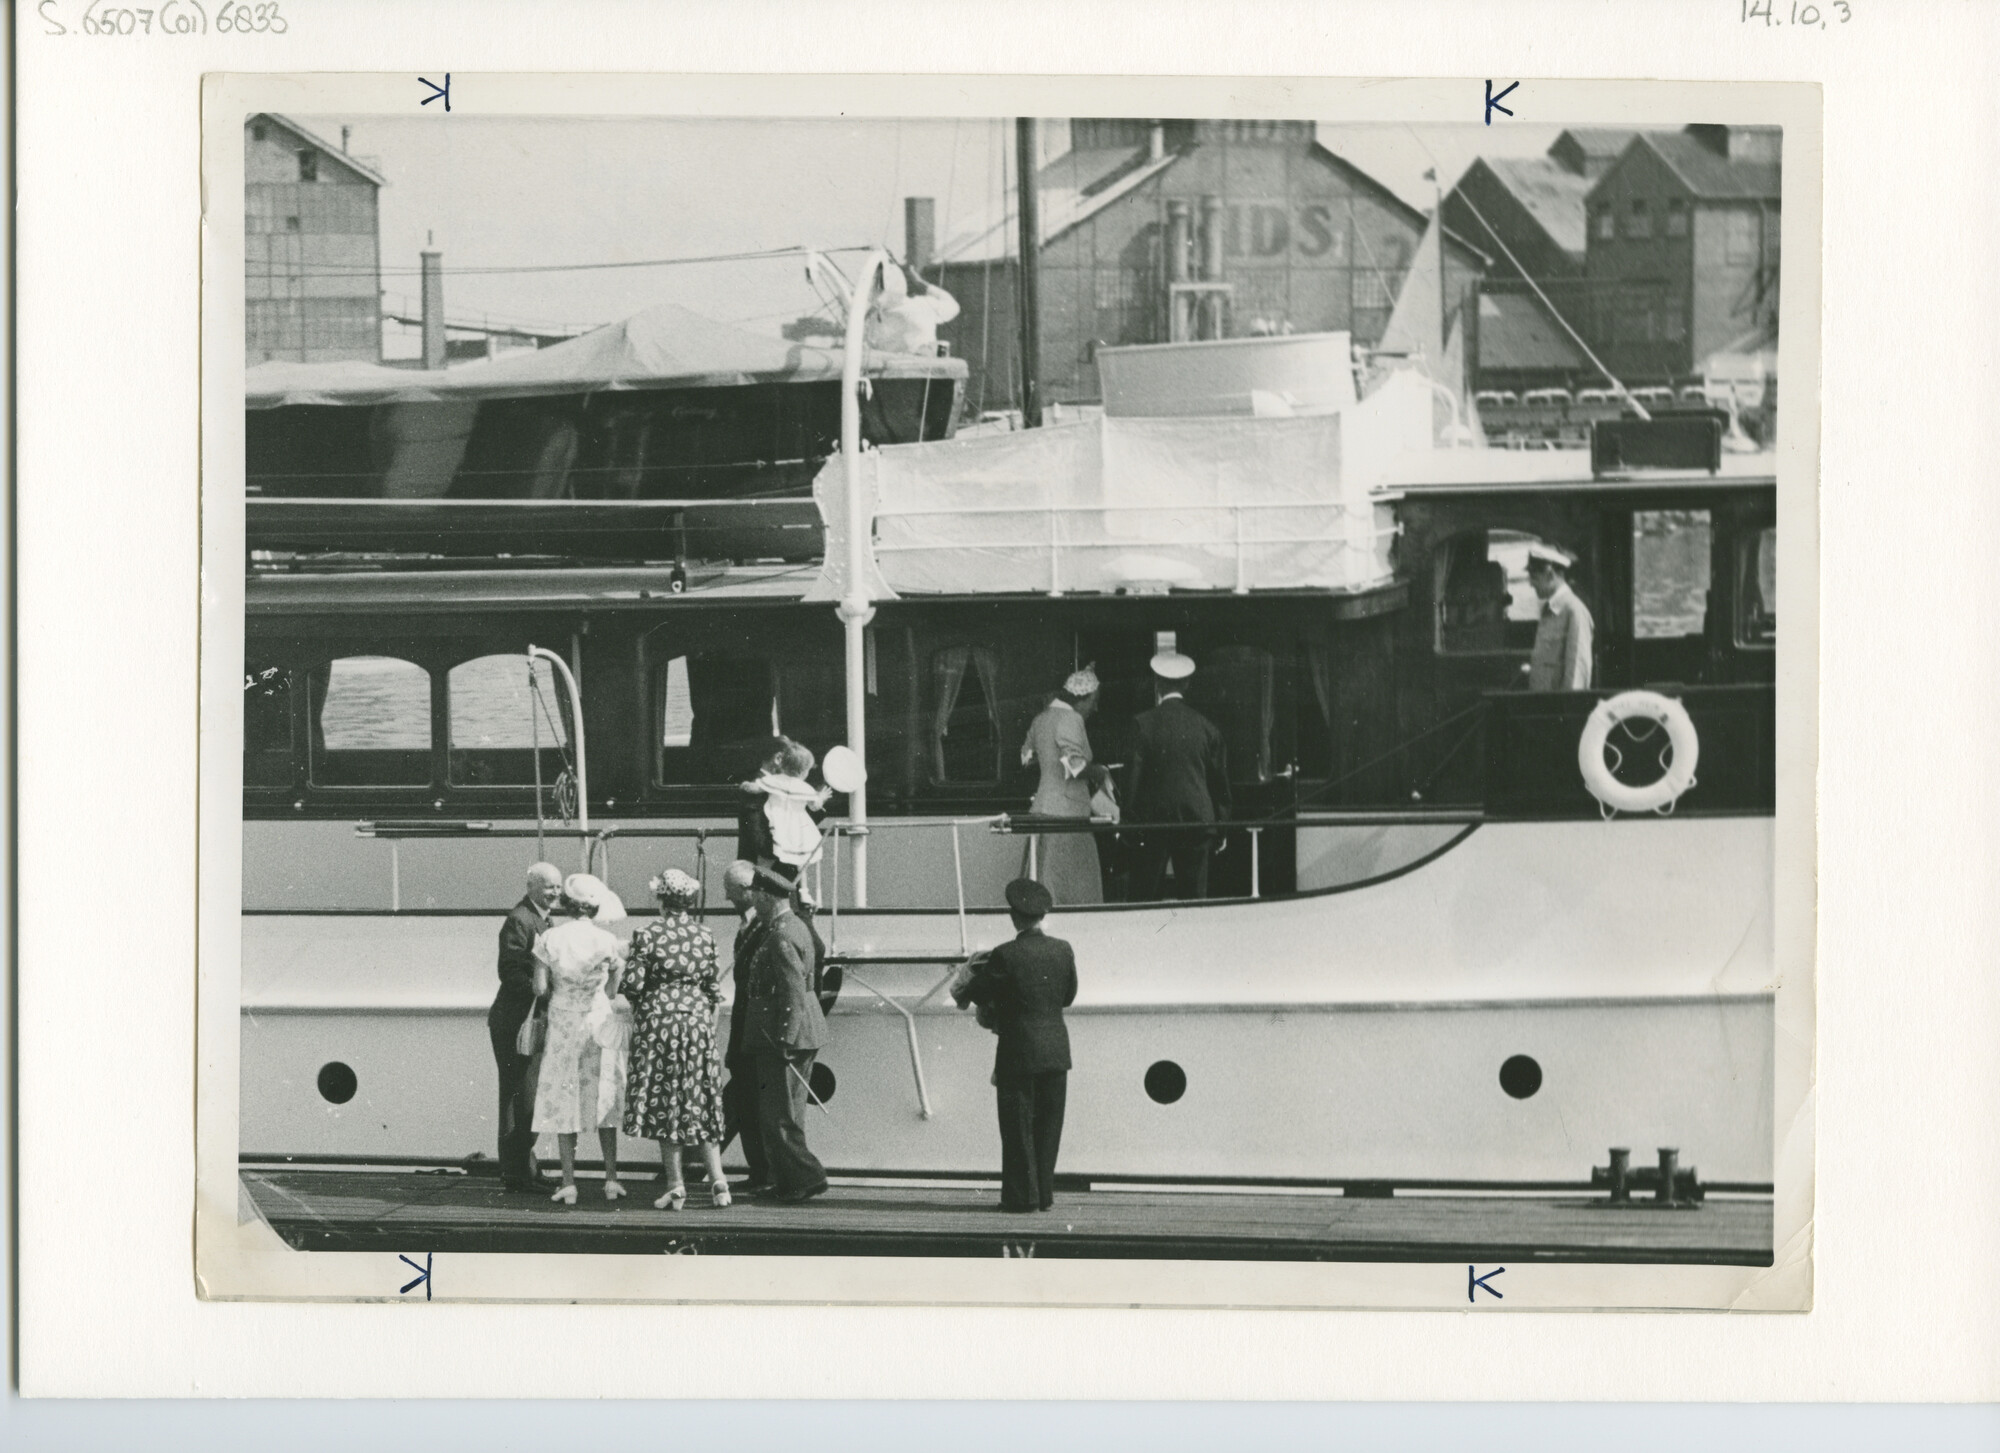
(1256, 845)
(958, 873)
(395, 876)
(833, 928)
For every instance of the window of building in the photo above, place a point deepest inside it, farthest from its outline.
(1670, 573)
(1757, 589)
(1677, 218)
(371, 723)
(1607, 224)
(716, 713)
(1739, 235)
(267, 724)
(1485, 603)
(1638, 221)
(308, 165)
(965, 715)
(495, 717)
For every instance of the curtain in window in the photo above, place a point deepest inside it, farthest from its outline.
(948, 668)
(1319, 668)
(1243, 682)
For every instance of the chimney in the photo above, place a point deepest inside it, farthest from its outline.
(433, 272)
(919, 232)
(1180, 305)
(343, 139)
(1211, 265)
(1156, 141)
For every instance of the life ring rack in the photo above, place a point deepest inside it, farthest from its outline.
(1677, 760)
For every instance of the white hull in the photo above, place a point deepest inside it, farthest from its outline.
(1632, 961)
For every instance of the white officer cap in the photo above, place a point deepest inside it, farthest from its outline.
(1550, 555)
(1173, 666)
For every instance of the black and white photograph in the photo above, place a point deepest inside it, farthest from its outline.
(1193, 691)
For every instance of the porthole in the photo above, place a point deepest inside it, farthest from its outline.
(1520, 1076)
(336, 1083)
(823, 1083)
(1166, 1082)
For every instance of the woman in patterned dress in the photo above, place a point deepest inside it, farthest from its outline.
(582, 1081)
(675, 1094)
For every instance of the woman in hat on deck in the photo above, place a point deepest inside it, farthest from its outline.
(582, 1083)
(1057, 743)
(676, 1077)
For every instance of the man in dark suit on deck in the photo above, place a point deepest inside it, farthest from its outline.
(1179, 773)
(784, 1031)
(511, 1006)
(739, 1096)
(1024, 986)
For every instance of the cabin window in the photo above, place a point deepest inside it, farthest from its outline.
(371, 723)
(1237, 691)
(1484, 601)
(965, 717)
(1677, 218)
(267, 725)
(1670, 568)
(496, 717)
(1757, 589)
(715, 715)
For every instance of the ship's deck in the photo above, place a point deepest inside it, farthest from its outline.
(403, 1210)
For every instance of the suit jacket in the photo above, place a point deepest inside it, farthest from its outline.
(1180, 767)
(1027, 983)
(748, 934)
(517, 965)
(784, 1011)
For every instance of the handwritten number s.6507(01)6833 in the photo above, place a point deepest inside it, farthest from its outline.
(175, 17)
(1805, 16)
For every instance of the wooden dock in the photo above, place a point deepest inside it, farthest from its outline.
(405, 1210)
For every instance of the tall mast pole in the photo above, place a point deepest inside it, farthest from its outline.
(1031, 274)
(855, 610)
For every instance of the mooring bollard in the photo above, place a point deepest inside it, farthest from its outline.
(1670, 1165)
(1621, 1168)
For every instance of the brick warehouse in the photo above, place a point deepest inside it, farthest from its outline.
(312, 254)
(1302, 240)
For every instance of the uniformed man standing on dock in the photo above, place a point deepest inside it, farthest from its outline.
(1025, 985)
(739, 1095)
(784, 1032)
(511, 1007)
(1179, 773)
(1561, 660)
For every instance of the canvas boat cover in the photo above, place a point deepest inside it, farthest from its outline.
(1133, 504)
(666, 346)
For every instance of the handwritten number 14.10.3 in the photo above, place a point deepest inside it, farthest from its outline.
(1806, 15)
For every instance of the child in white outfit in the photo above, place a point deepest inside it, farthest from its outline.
(793, 807)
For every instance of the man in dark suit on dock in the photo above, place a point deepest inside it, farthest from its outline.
(784, 1030)
(1024, 986)
(511, 1006)
(739, 1095)
(1179, 773)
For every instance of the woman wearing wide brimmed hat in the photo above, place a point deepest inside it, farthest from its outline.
(1066, 863)
(675, 1094)
(582, 1083)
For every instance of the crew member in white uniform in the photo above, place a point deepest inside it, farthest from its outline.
(1561, 660)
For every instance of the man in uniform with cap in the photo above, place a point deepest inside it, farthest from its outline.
(1561, 660)
(1179, 773)
(1024, 985)
(783, 1031)
(511, 1006)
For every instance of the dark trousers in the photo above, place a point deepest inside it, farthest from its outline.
(517, 1092)
(1188, 850)
(739, 1116)
(781, 1120)
(1031, 1122)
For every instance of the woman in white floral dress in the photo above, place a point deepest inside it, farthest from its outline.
(582, 1081)
(676, 1074)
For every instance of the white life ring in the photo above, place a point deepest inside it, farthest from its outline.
(1659, 796)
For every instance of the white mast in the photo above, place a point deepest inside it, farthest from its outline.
(854, 609)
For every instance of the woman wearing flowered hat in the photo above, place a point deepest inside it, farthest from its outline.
(582, 1082)
(1066, 862)
(675, 1094)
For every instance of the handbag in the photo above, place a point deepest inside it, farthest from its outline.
(533, 1033)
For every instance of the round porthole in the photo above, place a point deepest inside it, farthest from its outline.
(1166, 1082)
(336, 1083)
(823, 1083)
(1520, 1077)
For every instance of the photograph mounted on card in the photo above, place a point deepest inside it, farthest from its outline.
(908, 702)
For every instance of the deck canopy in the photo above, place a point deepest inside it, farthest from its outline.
(664, 347)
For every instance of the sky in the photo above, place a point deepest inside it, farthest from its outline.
(504, 193)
